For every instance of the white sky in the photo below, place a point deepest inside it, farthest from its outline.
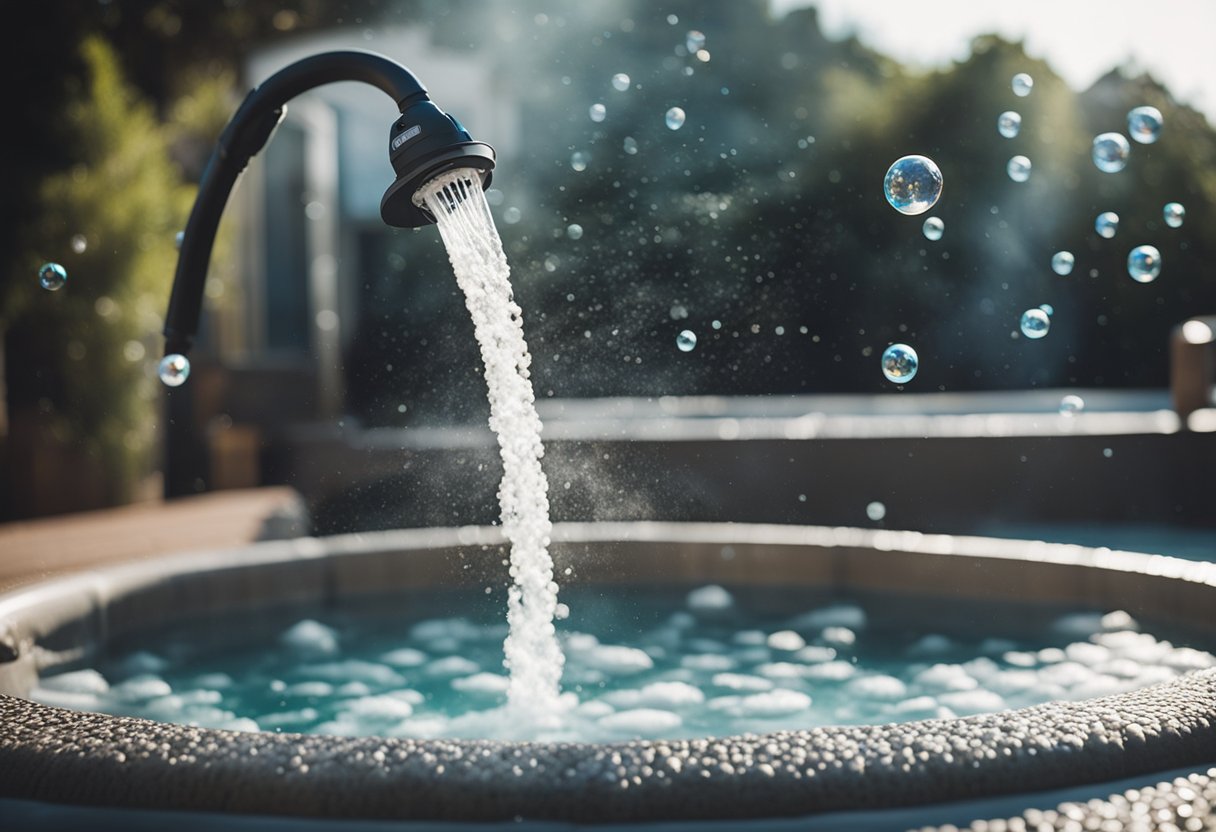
(1081, 39)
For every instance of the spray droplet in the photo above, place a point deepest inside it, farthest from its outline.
(52, 276)
(1173, 214)
(574, 231)
(1022, 84)
(1048, 308)
(620, 82)
(1110, 152)
(79, 243)
(900, 363)
(1106, 224)
(694, 41)
(173, 370)
(1071, 404)
(933, 229)
(1018, 168)
(1009, 124)
(674, 118)
(1035, 323)
(876, 511)
(913, 184)
(579, 160)
(686, 340)
(1144, 124)
(1062, 262)
(598, 112)
(1144, 264)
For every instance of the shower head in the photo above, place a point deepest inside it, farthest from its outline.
(425, 142)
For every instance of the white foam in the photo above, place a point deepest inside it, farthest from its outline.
(354, 670)
(641, 722)
(815, 653)
(878, 686)
(835, 615)
(318, 690)
(240, 724)
(749, 638)
(781, 670)
(353, 689)
(378, 709)
(77, 681)
(930, 645)
(968, 702)
(708, 662)
(452, 666)
(1187, 658)
(742, 682)
(72, 700)
(836, 671)
(141, 688)
(838, 636)
(142, 662)
(404, 657)
(213, 681)
(779, 702)
(424, 728)
(945, 677)
(594, 709)
(712, 598)
(1088, 654)
(1065, 674)
(460, 629)
(786, 640)
(919, 705)
(311, 638)
(617, 659)
(663, 695)
(482, 683)
(277, 719)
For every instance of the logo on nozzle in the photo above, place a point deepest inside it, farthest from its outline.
(406, 136)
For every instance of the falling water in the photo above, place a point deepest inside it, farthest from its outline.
(533, 654)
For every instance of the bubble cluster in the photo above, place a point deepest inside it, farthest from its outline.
(1062, 263)
(1009, 124)
(1173, 214)
(686, 341)
(1022, 84)
(1144, 264)
(1110, 152)
(1144, 124)
(933, 229)
(52, 276)
(913, 184)
(1107, 224)
(900, 363)
(173, 370)
(1035, 323)
(674, 118)
(1018, 168)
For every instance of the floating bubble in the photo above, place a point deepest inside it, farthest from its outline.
(1144, 124)
(1062, 262)
(1009, 124)
(674, 118)
(686, 340)
(1107, 224)
(52, 276)
(876, 511)
(1173, 214)
(913, 184)
(174, 369)
(1022, 84)
(933, 229)
(1144, 264)
(630, 145)
(1018, 168)
(900, 363)
(620, 82)
(79, 243)
(1048, 308)
(694, 41)
(1071, 404)
(1035, 323)
(1110, 152)
(598, 112)
(574, 231)
(579, 160)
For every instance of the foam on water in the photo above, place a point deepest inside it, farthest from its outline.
(533, 655)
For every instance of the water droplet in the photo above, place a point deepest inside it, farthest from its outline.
(1048, 308)
(1144, 264)
(1071, 404)
(876, 511)
(694, 41)
(900, 363)
(1022, 84)
(686, 340)
(620, 82)
(1062, 262)
(598, 112)
(574, 231)
(79, 243)
(52, 276)
(630, 145)
(933, 228)
(1009, 123)
(511, 215)
(1144, 124)
(913, 184)
(579, 160)
(674, 118)
(1110, 152)
(177, 240)
(173, 370)
(1173, 214)
(1035, 323)
(1107, 224)
(1018, 168)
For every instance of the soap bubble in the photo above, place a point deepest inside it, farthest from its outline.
(52, 276)
(686, 340)
(1048, 308)
(1071, 404)
(674, 118)
(1107, 224)
(1009, 123)
(1062, 262)
(574, 231)
(1144, 124)
(913, 184)
(579, 160)
(1022, 84)
(1173, 214)
(1144, 264)
(933, 229)
(876, 511)
(1035, 323)
(694, 41)
(1018, 168)
(620, 82)
(598, 112)
(174, 369)
(1110, 152)
(900, 363)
